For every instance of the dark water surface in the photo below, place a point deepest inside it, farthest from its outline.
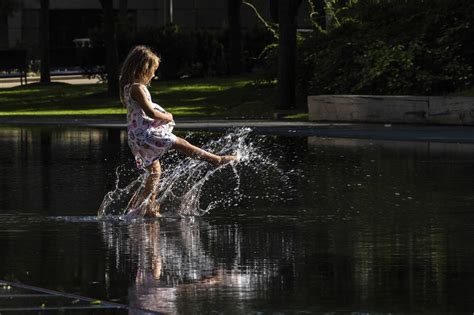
(355, 226)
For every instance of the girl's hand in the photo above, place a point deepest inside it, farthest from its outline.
(169, 117)
(139, 93)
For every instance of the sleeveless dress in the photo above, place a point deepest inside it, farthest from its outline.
(148, 139)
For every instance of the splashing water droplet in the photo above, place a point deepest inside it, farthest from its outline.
(191, 187)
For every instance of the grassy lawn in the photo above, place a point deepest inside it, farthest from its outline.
(221, 97)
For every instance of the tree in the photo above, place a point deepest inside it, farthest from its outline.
(3, 29)
(123, 4)
(111, 47)
(7, 7)
(44, 43)
(235, 35)
(287, 11)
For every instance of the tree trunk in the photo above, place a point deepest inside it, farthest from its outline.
(287, 10)
(122, 25)
(235, 36)
(44, 42)
(3, 30)
(123, 4)
(7, 7)
(111, 47)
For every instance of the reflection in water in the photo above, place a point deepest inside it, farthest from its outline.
(365, 263)
(178, 257)
(45, 166)
(355, 225)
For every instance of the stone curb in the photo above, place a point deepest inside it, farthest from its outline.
(438, 110)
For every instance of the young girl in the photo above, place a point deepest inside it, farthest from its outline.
(150, 129)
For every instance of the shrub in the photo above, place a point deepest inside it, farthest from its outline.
(391, 47)
(188, 52)
(183, 52)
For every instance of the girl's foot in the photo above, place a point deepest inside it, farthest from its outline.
(224, 159)
(153, 211)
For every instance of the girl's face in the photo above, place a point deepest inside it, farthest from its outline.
(151, 75)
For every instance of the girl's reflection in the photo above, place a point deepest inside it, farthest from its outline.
(177, 262)
(171, 251)
(169, 256)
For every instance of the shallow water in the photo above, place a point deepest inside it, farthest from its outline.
(333, 225)
(186, 182)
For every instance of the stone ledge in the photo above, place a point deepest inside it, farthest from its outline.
(451, 110)
(443, 110)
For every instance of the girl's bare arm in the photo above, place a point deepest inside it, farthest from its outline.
(137, 92)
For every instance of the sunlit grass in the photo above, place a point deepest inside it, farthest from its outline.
(299, 116)
(223, 97)
(7, 92)
(94, 111)
(203, 85)
(188, 111)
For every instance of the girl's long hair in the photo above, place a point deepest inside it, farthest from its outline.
(137, 67)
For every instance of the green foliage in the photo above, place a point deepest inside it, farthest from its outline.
(269, 26)
(391, 47)
(255, 43)
(183, 52)
(188, 52)
(268, 60)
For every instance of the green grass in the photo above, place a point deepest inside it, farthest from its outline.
(57, 99)
(299, 116)
(220, 97)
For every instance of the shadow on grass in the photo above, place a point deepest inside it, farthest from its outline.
(55, 96)
(224, 97)
(236, 101)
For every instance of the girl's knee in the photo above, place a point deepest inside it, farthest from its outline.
(181, 142)
(155, 168)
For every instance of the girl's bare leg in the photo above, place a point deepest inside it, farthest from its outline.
(190, 150)
(148, 190)
(151, 187)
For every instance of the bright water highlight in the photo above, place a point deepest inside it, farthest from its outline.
(185, 181)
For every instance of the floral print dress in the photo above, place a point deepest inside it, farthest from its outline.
(148, 139)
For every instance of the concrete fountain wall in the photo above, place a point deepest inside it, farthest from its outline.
(446, 110)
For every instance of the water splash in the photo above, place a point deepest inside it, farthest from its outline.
(190, 187)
